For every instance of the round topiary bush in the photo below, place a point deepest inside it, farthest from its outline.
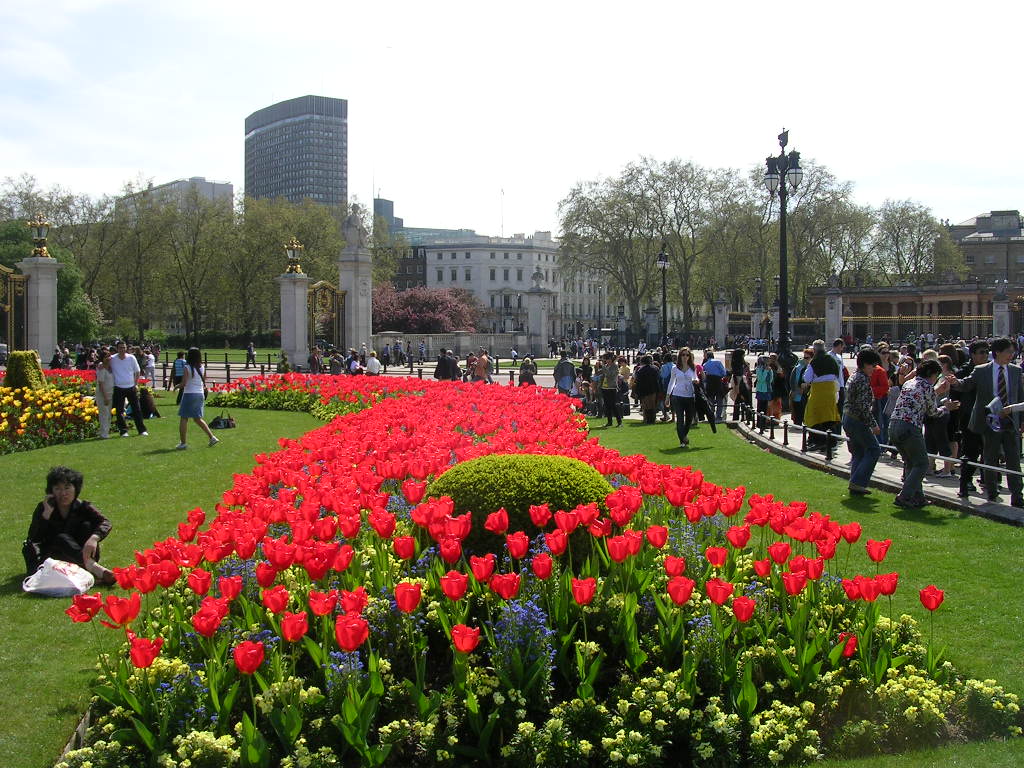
(515, 482)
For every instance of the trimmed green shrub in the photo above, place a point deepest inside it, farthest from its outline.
(23, 370)
(515, 482)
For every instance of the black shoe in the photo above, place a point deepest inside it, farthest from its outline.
(1017, 501)
(964, 493)
(993, 497)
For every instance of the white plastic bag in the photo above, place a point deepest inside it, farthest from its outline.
(56, 578)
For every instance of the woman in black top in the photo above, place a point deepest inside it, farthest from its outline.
(66, 527)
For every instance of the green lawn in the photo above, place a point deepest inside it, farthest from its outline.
(977, 562)
(145, 487)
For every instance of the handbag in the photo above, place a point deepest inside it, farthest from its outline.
(224, 421)
(56, 578)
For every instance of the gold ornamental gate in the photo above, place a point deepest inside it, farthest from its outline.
(326, 310)
(13, 314)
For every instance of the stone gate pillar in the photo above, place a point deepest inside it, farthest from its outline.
(833, 311)
(1000, 310)
(294, 316)
(721, 319)
(41, 303)
(355, 278)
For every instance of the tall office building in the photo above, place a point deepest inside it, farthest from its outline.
(297, 149)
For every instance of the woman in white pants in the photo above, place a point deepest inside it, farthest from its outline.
(104, 392)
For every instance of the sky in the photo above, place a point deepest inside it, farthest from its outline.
(484, 115)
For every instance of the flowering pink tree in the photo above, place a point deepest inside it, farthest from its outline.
(424, 310)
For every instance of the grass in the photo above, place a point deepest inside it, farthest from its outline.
(977, 562)
(145, 487)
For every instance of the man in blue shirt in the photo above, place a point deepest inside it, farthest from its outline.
(798, 397)
(714, 386)
(663, 377)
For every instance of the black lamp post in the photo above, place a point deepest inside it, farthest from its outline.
(663, 266)
(600, 288)
(780, 166)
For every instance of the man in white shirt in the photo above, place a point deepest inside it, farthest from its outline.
(126, 375)
(837, 354)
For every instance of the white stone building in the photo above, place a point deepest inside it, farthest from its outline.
(499, 272)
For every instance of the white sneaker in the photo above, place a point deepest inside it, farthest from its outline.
(143, 433)
(213, 441)
(180, 447)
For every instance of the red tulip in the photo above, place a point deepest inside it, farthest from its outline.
(583, 590)
(465, 638)
(84, 607)
(407, 596)
(121, 610)
(743, 608)
(540, 514)
(351, 631)
(482, 567)
(600, 528)
(852, 589)
(850, 646)
(718, 590)
(932, 597)
(557, 541)
(657, 535)
(518, 545)
(850, 532)
(343, 558)
(779, 552)
(454, 585)
(869, 588)
(887, 582)
(248, 656)
(279, 552)
(353, 602)
(230, 586)
(680, 588)
(505, 585)
(275, 600)
(142, 650)
(815, 566)
(634, 540)
(541, 565)
(716, 556)
(294, 626)
(618, 548)
(322, 603)
(826, 548)
(566, 521)
(143, 579)
(413, 491)
(383, 522)
(450, 549)
(878, 549)
(738, 535)
(763, 567)
(405, 547)
(674, 566)
(794, 582)
(349, 525)
(497, 522)
(265, 574)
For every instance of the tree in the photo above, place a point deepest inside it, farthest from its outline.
(424, 310)
(911, 245)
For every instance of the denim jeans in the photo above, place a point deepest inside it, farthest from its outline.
(684, 409)
(883, 421)
(864, 451)
(909, 441)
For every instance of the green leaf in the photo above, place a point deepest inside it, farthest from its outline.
(287, 723)
(316, 653)
(349, 710)
(145, 734)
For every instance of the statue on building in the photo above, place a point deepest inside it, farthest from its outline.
(537, 277)
(355, 234)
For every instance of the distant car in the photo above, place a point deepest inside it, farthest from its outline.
(758, 345)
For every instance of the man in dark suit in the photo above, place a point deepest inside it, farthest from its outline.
(1001, 379)
(970, 445)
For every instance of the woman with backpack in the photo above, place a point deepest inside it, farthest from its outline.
(193, 396)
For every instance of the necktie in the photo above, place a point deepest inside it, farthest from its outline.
(1002, 391)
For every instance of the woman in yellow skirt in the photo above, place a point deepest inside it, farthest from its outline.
(821, 382)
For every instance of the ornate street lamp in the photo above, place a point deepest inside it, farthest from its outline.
(293, 248)
(777, 167)
(663, 266)
(600, 288)
(40, 227)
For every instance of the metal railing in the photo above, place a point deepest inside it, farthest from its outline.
(763, 423)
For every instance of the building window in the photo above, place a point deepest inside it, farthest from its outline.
(506, 254)
(492, 301)
(468, 275)
(452, 256)
(505, 276)
(440, 275)
(519, 275)
(990, 258)
(519, 256)
(440, 256)
(969, 258)
(467, 254)
(492, 254)
(455, 273)
(1020, 258)
(492, 274)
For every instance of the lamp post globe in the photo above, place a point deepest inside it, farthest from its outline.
(779, 167)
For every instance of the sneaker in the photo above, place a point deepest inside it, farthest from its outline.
(213, 441)
(143, 433)
(917, 504)
(858, 490)
(944, 475)
(124, 434)
(180, 446)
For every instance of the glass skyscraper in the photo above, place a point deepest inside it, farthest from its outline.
(297, 149)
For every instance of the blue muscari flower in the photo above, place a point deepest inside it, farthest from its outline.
(522, 625)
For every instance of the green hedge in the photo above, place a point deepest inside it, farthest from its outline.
(515, 482)
(23, 370)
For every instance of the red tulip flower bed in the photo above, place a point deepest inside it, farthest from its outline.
(327, 613)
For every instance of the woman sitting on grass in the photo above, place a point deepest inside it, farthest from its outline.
(67, 528)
